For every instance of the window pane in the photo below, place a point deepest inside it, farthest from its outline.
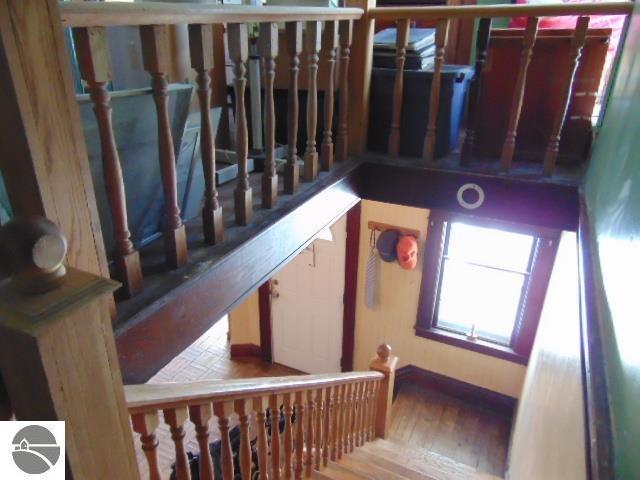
(489, 246)
(484, 296)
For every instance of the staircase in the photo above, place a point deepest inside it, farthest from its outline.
(382, 459)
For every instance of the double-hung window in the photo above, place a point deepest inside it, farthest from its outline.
(484, 283)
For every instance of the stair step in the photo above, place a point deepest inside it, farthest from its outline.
(431, 464)
(374, 467)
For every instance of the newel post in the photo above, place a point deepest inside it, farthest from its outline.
(57, 352)
(384, 363)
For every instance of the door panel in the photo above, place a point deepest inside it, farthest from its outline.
(307, 312)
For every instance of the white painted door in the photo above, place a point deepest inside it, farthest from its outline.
(307, 311)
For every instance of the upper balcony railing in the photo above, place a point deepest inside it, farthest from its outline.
(89, 21)
(442, 18)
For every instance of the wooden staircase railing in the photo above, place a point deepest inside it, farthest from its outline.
(441, 16)
(89, 22)
(325, 417)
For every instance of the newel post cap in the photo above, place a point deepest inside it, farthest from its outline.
(383, 361)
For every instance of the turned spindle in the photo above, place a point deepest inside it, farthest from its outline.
(223, 411)
(402, 39)
(312, 41)
(268, 48)
(237, 35)
(146, 424)
(155, 53)
(200, 416)
(175, 418)
(291, 168)
(342, 136)
(329, 46)
(201, 49)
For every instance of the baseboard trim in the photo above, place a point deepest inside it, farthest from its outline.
(243, 350)
(494, 401)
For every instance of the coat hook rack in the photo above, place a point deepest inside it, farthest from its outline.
(381, 227)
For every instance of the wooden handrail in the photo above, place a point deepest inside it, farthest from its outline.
(142, 398)
(120, 14)
(501, 11)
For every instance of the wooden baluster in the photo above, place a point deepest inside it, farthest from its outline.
(482, 45)
(428, 152)
(200, 416)
(155, 52)
(175, 418)
(348, 402)
(260, 405)
(577, 42)
(335, 421)
(238, 51)
(95, 67)
(299, 435)
(319, 430)
(365, 411)
(368, 412)
(268, 47)
(274, 411)
(352, 416)
(201, 51)
(374, 409)
(327, 428)
(342, 139)
(312, 38)
(359, 411)
(223, 411)
(402, 40)
(329, 46)
(288, 436)
(291, 169)
(528, 42)
(311, 415)
(146, 424)
(342, 412)
(242, 409)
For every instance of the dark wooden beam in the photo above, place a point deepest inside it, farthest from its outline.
(350, 287)
(158, 332)
(543, 204)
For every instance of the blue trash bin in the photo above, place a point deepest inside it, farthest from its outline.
(454, 84)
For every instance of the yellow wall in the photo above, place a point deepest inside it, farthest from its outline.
(394, 319)
(244, 322)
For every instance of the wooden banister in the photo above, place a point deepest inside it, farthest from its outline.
(158, 396)
(121, 14)
(501, 11)
(384, 363)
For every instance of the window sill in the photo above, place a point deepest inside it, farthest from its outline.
(480, 346)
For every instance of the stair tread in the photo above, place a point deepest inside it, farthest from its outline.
(385, 460)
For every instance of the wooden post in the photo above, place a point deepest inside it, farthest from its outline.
(154, 39)
(509, 146)
(429, 147)
(360, 76)
(291, 169)
(95, 67)
(312, 43)
(482, 45)
(577, 42)
(385, 364)
(43, 156)
(329, 46)
(175, 418)
(268, 48)
(402, 39)
(200, 416)
(201, 51)
(342, 135)
(239, 53)
(57, 352)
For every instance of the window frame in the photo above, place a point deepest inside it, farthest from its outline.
(543, 254)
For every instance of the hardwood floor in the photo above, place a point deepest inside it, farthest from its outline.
(450, 427)
(206, 359)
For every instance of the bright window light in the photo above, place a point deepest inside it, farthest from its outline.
(484, 275)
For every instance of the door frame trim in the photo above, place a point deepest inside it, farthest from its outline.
(352, 250)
